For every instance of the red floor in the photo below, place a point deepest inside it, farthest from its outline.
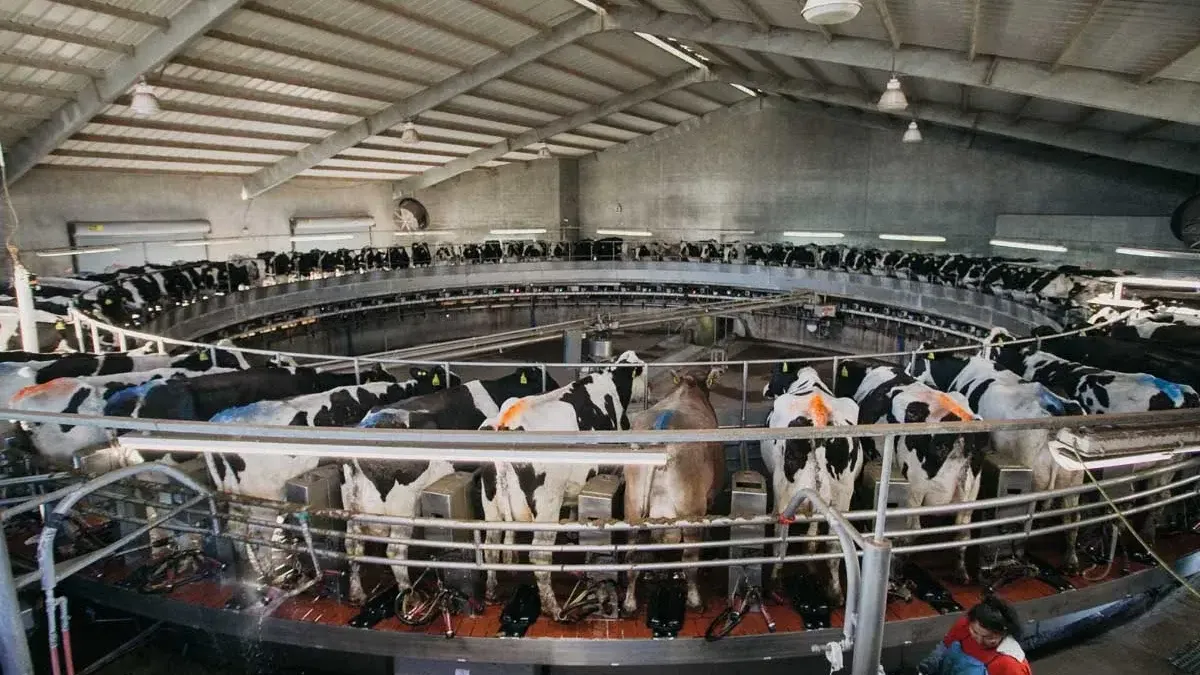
(325, 611)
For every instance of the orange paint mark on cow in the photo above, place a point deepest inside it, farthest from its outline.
(952, 406)
(59, 384)
(514, 411)
(818, 411)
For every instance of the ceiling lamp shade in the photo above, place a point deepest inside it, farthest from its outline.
(912, 134)
(544, 152)
(893, 98)
(144, 103)
(409, 133)
(829, 12)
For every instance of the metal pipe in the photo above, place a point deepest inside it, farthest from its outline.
(72, 313)
(97, 348)
(40, 478)
(26, 308)
(885, 480)
(14, 648)
(541, 439)
(743, 452)
(122, 343)
(872, 605)
(65, 630)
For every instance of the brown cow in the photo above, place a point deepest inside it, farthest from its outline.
(686, 485)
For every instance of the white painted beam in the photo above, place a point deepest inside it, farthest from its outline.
(188, 24)
(562, 125)
(1162, 154)
(1173, 100)
(536, 47)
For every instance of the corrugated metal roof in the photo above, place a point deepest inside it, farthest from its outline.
(280, 74)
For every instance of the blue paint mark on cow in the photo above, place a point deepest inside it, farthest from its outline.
(664, 419)
(239, 414)
(122, 403)
(1174, 391)
(1050, 401)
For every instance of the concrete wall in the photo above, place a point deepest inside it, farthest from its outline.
(47, 199)
(773, 170)
(538, 194)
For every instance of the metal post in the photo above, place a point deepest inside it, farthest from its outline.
(884, 486)
(162, 347)
(96, 348)
(833, 383)
(26, 312)
(78, 331)
(14, 649)
(122, 343)
(872, 603)
(743, 454)
(542, 367)
(357, 372)
(446, 365)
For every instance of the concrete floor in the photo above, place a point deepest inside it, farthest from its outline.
(1142, 646)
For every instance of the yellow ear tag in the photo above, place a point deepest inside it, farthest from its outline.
(785, 367)
(108, 301)
(524, 380)
(437, 380)
(929, 356)
(58, 325)
(845, 371)
(203, 356)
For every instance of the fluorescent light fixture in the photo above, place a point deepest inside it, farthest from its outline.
(736, 232)
(626, 233)
(814, 235)
(373, 450)
(1156, 282)
(320, 237)
(1158, 253)
(744, 89)
(209, 242)
(672, 49)
(1029, 246)
(829, 12)
(61, 252)
(912, 237)
(419, 233)
(518, 232)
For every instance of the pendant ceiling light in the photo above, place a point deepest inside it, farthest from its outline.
(544, 152)
(893, 98)
(409, 133)
(144, 103)
(829, 12)
(912, 134)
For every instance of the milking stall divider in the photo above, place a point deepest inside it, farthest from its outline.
(1170, 437)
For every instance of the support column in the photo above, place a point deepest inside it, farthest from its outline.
(26, 312)
(872, 604)
(14, 648)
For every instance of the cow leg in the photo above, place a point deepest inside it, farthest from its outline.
(1070, 556)
(355, 547)
(961, 574)
(508, 554)
(630, 604)
(399, 552)
(545, 589)
(691, 555)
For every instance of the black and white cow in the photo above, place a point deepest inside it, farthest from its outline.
(200, 398)
(265, 476)
(1161, 360)
(92, 365)
(534, 492)
(78, 395)
(420, 255)
(829, 466)
(1099, 390)
(940, 469)
(997, 394)
(393, 487)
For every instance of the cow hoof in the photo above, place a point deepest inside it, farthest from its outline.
(629, 609)
(962, 577)
(694, 601)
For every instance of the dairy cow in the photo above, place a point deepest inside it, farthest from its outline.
(264, 476)
(941, 469)
(829, 466)
(687, 485)
(997, 394)
(393, 487)
(535, 491)
(81, 395)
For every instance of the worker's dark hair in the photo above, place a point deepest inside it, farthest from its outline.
(996, 615)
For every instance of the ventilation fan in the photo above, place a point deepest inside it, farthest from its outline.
(409, 215)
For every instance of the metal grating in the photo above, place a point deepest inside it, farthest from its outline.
(1186, 661)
